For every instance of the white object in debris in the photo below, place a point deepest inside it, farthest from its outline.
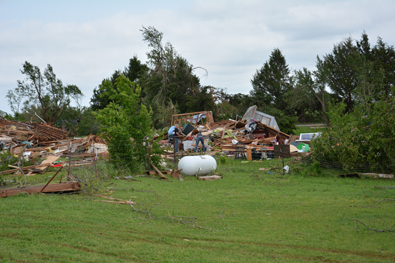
(286, 168)
(197, 165)
(98, 148)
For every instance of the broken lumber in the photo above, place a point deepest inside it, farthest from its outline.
(52, 188)
(210, 177)
(159, 172)
(116, 202)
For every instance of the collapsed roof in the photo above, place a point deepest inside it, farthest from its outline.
(261, 117)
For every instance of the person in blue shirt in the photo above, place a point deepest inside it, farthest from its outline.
(170, 133)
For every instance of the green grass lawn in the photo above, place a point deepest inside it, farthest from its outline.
(248, 216)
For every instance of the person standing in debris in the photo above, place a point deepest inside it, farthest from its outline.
(170, 133)
(176, 134)
(199, 138)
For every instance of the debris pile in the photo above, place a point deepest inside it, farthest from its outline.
(227, 136)
(38, 140)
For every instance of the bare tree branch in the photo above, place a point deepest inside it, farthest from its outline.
(377, 230)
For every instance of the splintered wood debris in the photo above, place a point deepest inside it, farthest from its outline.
(41, 141)
(225, 134)
(51, 188)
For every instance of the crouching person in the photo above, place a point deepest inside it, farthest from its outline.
(199, 138)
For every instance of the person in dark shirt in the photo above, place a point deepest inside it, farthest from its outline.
(176, 134)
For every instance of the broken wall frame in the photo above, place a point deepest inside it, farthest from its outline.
(193, 118)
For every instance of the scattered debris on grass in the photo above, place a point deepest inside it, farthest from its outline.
(70, 186)
(209, 177)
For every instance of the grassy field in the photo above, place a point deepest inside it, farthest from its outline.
(248, 216)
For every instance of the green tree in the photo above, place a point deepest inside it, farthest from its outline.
(361, 139)
(384, 58)
(202, 100)
(87, 124)
(135, 71)
(241, 102)
(126, 124)
(43, 92)
(100, 98)
(338, 68)
(272, 81)
(308, 95)
(79, 121)
(170, 77)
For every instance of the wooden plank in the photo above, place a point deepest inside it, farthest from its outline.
(26, 168)
(52, 188)
(249, 154)
(50, 159)
(210, 177)
(159, 172)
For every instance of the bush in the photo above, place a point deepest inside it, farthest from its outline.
(363, 139)
(127, 126)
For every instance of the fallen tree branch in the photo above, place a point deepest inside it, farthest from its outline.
(376, 230)
(140, 211)
(116, 202)
(220, 214)
(188, 221)
(386, 199)
(385, 187)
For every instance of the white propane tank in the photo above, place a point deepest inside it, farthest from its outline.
(197, 165)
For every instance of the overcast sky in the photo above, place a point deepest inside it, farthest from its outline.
(86, 41)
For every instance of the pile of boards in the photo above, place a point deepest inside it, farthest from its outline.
(40, 141)
(15, 133)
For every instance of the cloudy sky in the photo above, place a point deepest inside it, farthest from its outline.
(85, 41)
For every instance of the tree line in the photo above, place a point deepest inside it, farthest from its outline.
(169, 85)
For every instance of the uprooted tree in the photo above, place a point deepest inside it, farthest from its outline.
(126, 124)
